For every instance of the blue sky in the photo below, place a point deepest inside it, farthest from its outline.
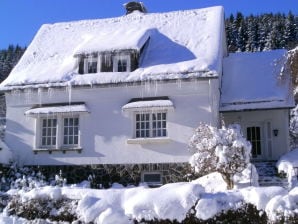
(21, 19)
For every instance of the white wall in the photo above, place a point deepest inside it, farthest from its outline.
(105, 130)
(278, 119)
(5, 154)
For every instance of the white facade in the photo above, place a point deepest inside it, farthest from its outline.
(106, 132)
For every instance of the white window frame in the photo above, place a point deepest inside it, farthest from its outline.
(151, 129)
(48, 129)
(91, 59)
(59, 133)
(117, 58)
(151, 138)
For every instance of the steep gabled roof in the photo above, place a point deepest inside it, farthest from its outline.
(256, 80)
(183, 44)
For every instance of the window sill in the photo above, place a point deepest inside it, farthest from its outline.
(63, 150)
(148, 140)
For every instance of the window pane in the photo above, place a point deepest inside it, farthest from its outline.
(76, 140)
(76, 121)
(147, 117)
(154, 117)
(152, 178)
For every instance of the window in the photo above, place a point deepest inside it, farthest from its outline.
(152, 179)
(151, 125)
(90, 65)
(59, 132)
(71, 131)
(49, 131)
(121, 63)
(254, 136)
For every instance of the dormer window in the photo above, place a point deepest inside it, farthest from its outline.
(121, 63)
(90, 65)
(108, 62)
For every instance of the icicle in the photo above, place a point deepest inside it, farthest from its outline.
(39, 94)
(69, 90)
(155, 85)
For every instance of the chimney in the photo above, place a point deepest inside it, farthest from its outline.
(134, 6)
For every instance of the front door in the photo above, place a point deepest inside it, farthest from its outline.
(254, 135)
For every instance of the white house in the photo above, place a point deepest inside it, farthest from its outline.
(130, 91)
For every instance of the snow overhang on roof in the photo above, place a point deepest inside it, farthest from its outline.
(183, 44)
(253, 81)
(57, 109)
(145, 104)
(133, 39)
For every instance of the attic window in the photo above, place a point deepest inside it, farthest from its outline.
(90, 65)
(121, 63)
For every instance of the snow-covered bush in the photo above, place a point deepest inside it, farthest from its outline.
(294, 128)
(61, 209)
(223, 150)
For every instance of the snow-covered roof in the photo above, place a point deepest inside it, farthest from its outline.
(79, 108)
(135, 39)
(183, 44)
(148, 104)
(257, 80)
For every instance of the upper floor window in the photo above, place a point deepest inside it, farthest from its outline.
(90, 65)
(106, 62)
(121, 63)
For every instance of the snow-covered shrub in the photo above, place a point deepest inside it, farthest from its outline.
(294, 128)
(4, 198)
(246, 213)
(223, 150)
(59, 180)
(24, 178)
(61, 209)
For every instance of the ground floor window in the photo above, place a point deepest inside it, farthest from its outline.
(254, 136)
(48, 132)
(150, 124)
(59, 131)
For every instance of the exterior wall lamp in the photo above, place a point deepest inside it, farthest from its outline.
(275, 132)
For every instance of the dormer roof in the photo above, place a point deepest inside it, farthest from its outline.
(115, 40)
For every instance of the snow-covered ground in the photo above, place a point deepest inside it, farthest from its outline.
(207, 195)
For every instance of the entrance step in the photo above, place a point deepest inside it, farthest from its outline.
(268, 175)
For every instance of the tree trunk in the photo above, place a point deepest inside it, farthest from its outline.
(228, 178)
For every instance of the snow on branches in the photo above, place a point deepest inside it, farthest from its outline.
(223, 150)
